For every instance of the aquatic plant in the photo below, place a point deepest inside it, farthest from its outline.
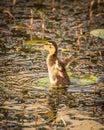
(98, 33)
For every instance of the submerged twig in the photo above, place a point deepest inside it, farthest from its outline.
(78, 66)
(101, 57)
(31, 24)
(43, 25)
(91, 10)
(14, 3)
(63, 121)
(98, 1)
(9, 13)
(53, 5)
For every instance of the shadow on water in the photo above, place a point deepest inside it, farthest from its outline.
(33, 109)
(40, 107)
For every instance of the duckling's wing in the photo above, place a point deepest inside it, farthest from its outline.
(59, 66)
(68, 60)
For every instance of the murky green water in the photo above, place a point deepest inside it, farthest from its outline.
(26, 102)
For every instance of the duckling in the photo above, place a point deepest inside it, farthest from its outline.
(56, 67)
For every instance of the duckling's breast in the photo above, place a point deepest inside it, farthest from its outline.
(52, 73)
(57, 72)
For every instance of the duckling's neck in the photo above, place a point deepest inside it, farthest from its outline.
(52, 56)
(51, 59)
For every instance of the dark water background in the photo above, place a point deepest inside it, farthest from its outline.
(26, 103)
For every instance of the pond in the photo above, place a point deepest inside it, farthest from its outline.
(26, 100)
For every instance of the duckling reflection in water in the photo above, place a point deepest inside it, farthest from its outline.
(56, 67)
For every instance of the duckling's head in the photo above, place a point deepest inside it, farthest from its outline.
(51, 46)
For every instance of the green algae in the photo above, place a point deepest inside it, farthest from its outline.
(75, 80)
(34, 42)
